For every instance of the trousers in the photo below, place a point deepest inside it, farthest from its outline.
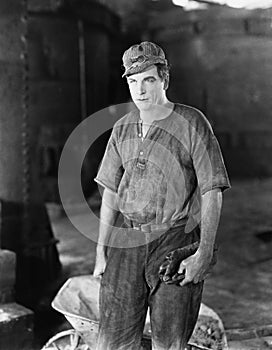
(130, 285)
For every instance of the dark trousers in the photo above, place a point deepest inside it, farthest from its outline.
(131, 284)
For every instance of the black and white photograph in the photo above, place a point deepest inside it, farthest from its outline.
(135, 174)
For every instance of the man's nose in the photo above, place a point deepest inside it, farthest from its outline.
(141, 88)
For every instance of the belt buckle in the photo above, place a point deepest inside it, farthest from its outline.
(137, 227)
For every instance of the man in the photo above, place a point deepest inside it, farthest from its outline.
(161, 162)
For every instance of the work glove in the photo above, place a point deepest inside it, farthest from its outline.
(168, 271)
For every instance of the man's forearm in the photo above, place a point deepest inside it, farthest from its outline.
(108, 216)
(210, 215)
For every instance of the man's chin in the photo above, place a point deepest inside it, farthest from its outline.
(143, 105)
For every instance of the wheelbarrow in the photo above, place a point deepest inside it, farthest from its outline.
(78, 301)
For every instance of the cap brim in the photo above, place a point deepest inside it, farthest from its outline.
(143, 66)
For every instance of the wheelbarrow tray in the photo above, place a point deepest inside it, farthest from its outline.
(78, 301)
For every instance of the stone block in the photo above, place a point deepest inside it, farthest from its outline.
(7, 275)
(16, 327)
(7, 269)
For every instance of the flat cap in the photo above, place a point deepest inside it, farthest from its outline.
(141, 56)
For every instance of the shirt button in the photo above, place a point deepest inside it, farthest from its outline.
(140, 135)
(141, 153)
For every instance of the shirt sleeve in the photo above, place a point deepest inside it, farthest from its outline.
(207, 157)
(110, 170)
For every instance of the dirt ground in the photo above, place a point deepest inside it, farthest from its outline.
(239, 289)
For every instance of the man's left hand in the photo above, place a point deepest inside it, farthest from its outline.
(196, 267)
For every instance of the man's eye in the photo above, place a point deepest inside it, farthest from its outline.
(151, 80)
(131, 81)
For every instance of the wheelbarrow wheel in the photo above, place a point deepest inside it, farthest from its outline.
(66, 340)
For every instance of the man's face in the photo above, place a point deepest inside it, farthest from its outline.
(146, 89)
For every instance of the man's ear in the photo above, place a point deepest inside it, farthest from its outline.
(166, 84)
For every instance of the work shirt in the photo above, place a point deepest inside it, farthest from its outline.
(159, 178)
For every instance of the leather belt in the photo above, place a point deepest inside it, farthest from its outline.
(148, 228)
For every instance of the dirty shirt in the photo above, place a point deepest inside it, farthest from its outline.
(160, 178)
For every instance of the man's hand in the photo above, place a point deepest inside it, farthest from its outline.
(193, 262)
(168, 271)
(187, 264)
(108, 216)
(100, 264)
(196, 267)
